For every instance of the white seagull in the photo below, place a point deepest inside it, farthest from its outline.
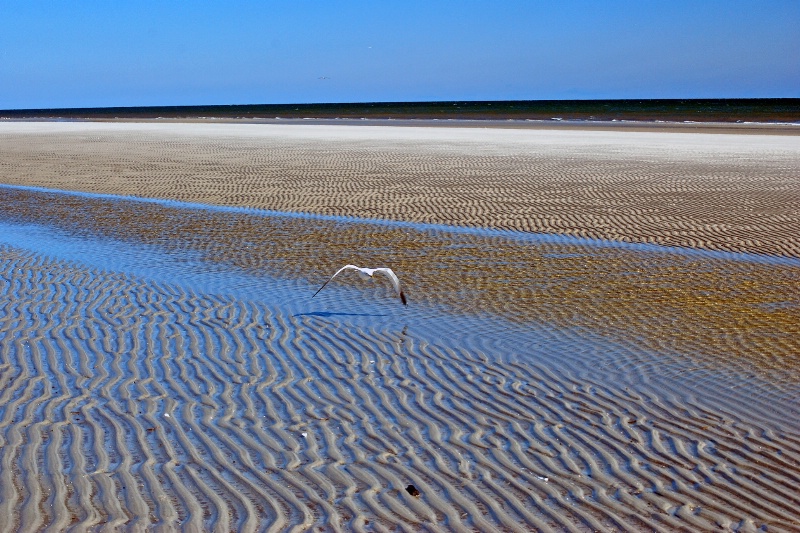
(371, 272)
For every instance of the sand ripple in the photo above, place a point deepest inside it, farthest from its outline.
(723, 192)
(232, 402)
(705, 306)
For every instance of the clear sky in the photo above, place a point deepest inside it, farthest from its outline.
(133, 53)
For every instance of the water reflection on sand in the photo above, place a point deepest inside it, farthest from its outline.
(166, 365)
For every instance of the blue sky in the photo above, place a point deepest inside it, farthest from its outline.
(110, 53)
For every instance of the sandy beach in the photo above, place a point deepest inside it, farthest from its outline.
(603, 330)
(720, 192)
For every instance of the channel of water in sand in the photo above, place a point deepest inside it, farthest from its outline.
(163, 363)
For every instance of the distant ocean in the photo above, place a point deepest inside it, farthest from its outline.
(765, 110)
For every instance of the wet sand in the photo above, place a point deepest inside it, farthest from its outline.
(721, 192)
(164, 365)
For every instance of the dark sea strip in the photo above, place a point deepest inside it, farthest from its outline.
(767, 110)
(518, 236)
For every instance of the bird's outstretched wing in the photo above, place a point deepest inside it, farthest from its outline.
(346, 267)
(388, 272)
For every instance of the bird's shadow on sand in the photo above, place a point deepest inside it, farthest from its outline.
(327, 314)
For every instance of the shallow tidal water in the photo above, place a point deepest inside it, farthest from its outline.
(164, 365)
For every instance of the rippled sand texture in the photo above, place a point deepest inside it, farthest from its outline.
(134, 402)
(702, 306)
(726, 192)
(599, 388)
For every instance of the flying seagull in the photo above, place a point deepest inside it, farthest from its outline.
(371, 272)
